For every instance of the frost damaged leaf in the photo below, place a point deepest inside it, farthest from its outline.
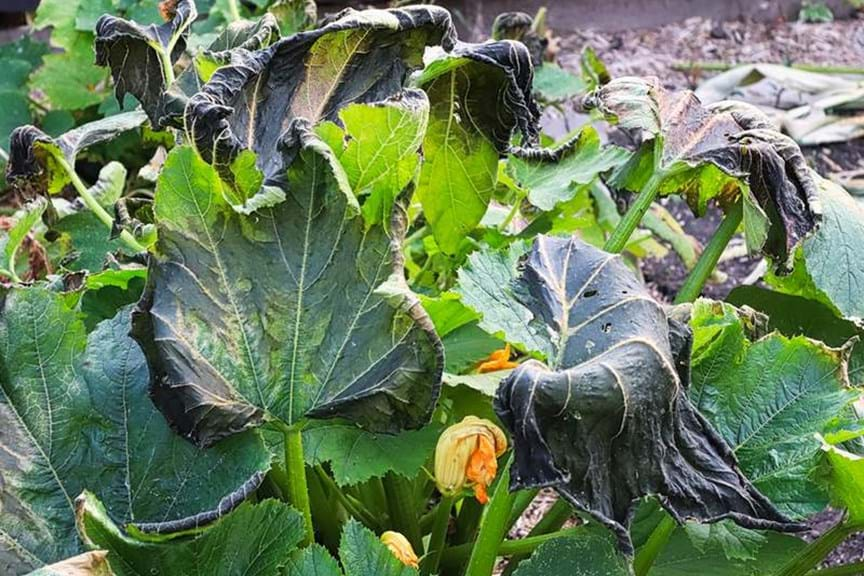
(35, 159)
(243, 34)
(270, 532)
(74, 414)
(606, 421)
(479, 94)
(297, 311)
(713, 153)
(361, 57)
(142, 58)
(87, 564)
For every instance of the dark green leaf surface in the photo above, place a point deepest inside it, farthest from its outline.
(768, 399)
(74, 414)
(588, 554)
(283, 314)
(356, 455)
(606, 419)
(243, 34)
(479, 94)
(270, 531)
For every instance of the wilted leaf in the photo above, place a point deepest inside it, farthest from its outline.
(843, 477)
(767, 399)
(361, 57)
(356, 455)
(141, 58)
(87, 564)
(479, 94)
(584, 554)
(74, 414)
(11, 241)
(553, 176)
(243, 34)
(605, 421)
(270, 531)
(284, 314)
(40, 165)
(716, 153)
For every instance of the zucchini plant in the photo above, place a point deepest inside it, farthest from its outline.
(353, 310)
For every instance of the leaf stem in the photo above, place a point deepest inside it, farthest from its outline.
(493, 526)
(810, 557)
(654, 545)
(522, 547)
(514, 210)
(552, 521)
(704, 267)
(855, 569)
(621, 235)
(94, 205)
(438, 536)
(298, 491)
(233, 10)
(352, 506)
(522, 500)
(403, 508)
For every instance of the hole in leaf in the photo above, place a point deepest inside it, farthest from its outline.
(589, 294)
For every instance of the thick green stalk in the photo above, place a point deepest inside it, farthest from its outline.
(351, 505)
(855, 569)
(628, 224)
(438, 537)
(552, 521)
(658, 539)
(493, 526)
(692, 287)
(326, 514)
(470, 513)
(455, 555)
(402, 508)
(810, 557)
(298, 491)
(233, 10)
(514, 210)
(521, 502)
(94, 205)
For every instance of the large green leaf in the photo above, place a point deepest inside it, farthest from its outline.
(254, 540)
(767, 399)
(715, 154)
(843, 476)
(604, 420)
(478, 95)
(553, 176)
(356, 455)
(587, 554)
(297, 310)
(74, 414)
(361, 57)
(828, 267)
(141, 57)
(379, 148)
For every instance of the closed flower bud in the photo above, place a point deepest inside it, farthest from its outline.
(400, 547)
(467, 457)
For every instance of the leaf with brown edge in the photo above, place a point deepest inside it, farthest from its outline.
(718, 153)
(606, 420)
(87, 564)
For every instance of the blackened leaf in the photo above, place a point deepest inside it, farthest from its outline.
(379, 148)
(553, 175)
(607, 420)
(768, 399)
(360, 57)
(295, 311)
(715, 153)
(479, 95)
(87, 564)
(356, 455)
(243, 34)
(254, 539)
(35, 159)
(74, 414)
(142, 58)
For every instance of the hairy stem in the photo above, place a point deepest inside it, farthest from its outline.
(438, 537)
(552, 521)
(855, 569)
(298, 491)
(692, 287)
(522, 547)
(493, 526)
(810, 557)
(94, 205)
(402, 507)
(658, 539)
(625, 228)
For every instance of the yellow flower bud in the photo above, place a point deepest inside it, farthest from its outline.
(466, 456)
(498, 360)
(400, 547)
